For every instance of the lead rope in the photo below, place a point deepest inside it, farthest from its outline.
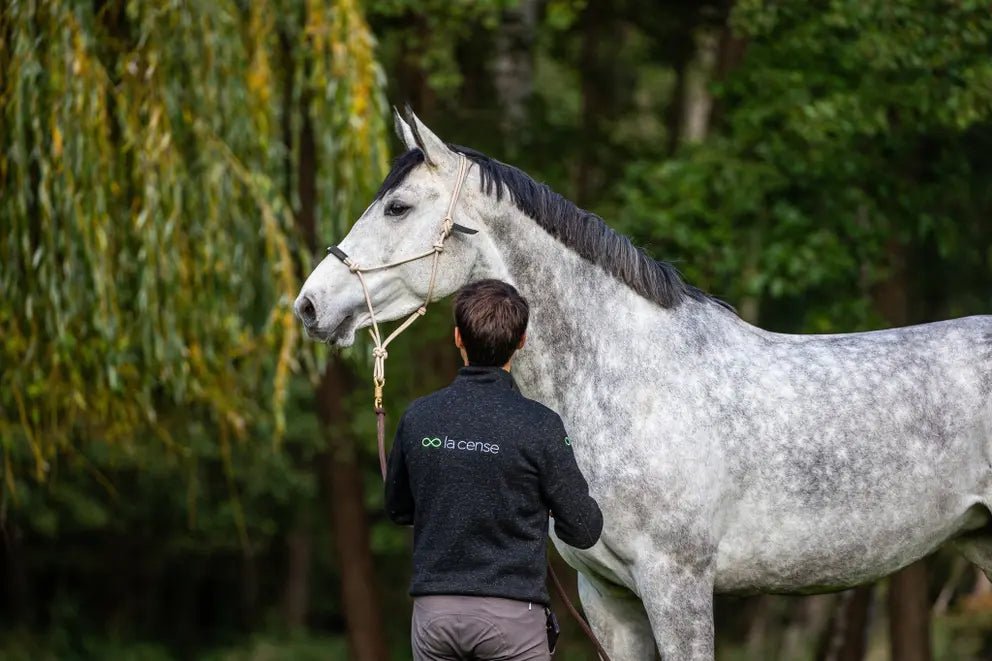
(586, 629)
(379, 355)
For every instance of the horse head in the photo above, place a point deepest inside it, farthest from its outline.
(414, 244)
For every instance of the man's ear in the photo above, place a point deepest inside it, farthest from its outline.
(523, 341)
(458, 339)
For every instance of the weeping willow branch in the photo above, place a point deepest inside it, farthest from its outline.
(147, 260)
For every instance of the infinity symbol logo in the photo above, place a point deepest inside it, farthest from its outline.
(431, 442)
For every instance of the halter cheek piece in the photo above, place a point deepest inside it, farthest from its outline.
(379, 352)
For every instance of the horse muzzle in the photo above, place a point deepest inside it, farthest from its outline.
(335, 327)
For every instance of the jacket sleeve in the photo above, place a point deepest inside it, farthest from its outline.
(578, 520)
(399, 497)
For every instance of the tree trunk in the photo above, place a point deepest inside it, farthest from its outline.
(729, 55)
(286, 116)
(909, 603)
(909, 614)
(593, 90)
(296, 596)
(730, 50)
(342, 481)
(698, 100)
(847, 636)
(513, 67)
(411, 77)
(673, 114)
(891, 296)
(306, 178)
(712, 56)
(749, 308)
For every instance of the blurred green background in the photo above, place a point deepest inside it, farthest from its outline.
(184, 477)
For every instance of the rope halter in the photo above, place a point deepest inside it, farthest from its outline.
(379, 353)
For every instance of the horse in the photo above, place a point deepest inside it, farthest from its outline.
(725, 458)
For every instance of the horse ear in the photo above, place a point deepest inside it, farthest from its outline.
(403, 131)
(435, 151)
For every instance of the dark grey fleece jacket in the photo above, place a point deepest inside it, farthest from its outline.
(475, 467)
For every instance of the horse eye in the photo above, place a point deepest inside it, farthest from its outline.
(396, 208)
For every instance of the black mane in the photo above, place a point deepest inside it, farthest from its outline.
(582, 231)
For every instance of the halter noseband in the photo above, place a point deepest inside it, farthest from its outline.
(379, 352)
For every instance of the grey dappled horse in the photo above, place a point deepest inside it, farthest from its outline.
(725, 458)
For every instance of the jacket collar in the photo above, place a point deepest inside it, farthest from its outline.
(483, 375)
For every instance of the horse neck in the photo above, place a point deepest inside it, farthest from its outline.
(584, 320)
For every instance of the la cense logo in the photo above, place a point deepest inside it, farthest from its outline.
(434, 442)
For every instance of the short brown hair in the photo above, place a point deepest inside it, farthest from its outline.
(492, 318)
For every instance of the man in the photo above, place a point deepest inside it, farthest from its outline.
(476, 467)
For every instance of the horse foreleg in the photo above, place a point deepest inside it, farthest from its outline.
(679, 604)
(618, 620)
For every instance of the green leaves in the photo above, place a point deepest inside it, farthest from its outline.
(845, 128)
(149, 255)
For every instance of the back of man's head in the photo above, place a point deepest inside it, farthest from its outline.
(491, 316)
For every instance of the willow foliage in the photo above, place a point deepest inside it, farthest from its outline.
(148, 251)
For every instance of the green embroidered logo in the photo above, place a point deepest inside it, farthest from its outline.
(568, 441)
(455, 444)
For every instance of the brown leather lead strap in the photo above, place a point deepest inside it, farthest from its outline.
(586, 629)
(380, 432)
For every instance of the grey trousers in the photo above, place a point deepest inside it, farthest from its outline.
(449, 628)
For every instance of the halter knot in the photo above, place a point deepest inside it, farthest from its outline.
(380, 352)
(353, 266)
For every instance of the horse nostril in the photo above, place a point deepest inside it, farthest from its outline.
(306, 311)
